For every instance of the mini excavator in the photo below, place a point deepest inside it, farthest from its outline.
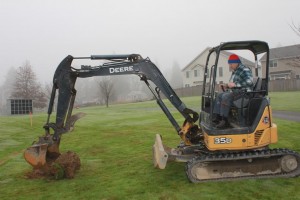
(239, 151)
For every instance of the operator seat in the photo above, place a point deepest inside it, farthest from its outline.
(240, 108)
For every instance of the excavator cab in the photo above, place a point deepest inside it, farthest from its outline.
(251, 125)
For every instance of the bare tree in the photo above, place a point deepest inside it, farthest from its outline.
(295, 62)
(40, 100)
(176, 80)
(295, 28)
(48, 89)
(27, 87)
(106, 89)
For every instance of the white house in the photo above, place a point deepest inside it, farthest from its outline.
(284, 62)
(193, 73)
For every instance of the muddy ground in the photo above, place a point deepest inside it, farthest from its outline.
(65, 166)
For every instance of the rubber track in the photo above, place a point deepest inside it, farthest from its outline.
(215, 157)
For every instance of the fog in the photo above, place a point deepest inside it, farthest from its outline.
(167, 31)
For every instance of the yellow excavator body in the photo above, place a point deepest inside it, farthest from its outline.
(264, 134)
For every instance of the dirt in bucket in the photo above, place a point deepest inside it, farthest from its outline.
(65, 166)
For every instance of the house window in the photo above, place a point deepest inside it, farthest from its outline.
(195, 73)
(187, 74)
(220, 71)
(187, 85)
(280, 76)
(273, 63)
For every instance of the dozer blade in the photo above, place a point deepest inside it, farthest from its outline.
(160, 157)
(40, 152)
(163, 154)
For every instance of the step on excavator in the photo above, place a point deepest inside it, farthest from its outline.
(238, 151)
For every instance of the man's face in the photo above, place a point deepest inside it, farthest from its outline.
(233, 66)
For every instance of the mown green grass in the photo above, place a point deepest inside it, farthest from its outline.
(115, 147)
(287, 101)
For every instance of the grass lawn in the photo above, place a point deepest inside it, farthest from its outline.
(287, 101)
(115, 147)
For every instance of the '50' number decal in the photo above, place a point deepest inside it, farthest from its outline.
(223, 140)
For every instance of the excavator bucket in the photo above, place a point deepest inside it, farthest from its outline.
(36, 155)
(160, 156)
(40, 152)
(47, 149)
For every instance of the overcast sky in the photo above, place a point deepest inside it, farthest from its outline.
(45, 31)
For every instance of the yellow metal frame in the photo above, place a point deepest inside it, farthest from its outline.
(264, 134)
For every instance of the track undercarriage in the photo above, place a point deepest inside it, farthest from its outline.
(203, 165)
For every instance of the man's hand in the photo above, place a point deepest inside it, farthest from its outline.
(231, 85)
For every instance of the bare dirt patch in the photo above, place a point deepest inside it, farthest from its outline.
(65, 166)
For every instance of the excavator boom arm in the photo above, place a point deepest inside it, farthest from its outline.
(65, 78)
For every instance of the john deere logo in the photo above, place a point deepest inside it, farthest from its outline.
(120, 69)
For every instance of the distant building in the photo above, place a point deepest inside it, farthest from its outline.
(19, 106)
(193, 73)
(284, 62)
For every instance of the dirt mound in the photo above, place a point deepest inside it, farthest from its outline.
(64, 166)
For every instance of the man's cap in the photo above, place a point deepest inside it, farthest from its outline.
(233, 58)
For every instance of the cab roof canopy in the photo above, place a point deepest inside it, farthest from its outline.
(257, 47)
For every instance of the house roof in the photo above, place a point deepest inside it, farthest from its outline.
(224, 53)
(283, 52)
(206, 49)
